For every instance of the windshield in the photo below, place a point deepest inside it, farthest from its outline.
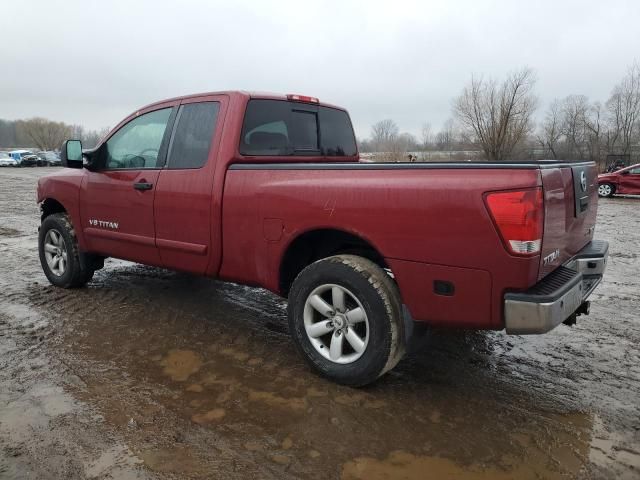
(632, 169)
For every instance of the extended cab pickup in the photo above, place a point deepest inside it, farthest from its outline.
(268, 190)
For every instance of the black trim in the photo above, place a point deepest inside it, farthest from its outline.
(143, 186)
(168, 135)
(550, 288)
(444, 287)
(594, 249)
(581, 197)
(402, 166)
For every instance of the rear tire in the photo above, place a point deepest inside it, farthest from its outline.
(59, 254)
(606, 190)
(345, 317)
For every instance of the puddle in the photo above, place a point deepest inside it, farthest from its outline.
(174, 460)
(208, 417)
(116, 462)
(181, 364)
(406, 466)
(297, 404)
(8, 232)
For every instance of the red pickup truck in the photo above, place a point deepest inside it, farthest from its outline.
(268, 190)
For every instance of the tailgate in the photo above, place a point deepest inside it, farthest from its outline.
(570, 207)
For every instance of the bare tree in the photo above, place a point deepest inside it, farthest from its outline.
(575, 110)
(383, 134)
(91, 138)
(45, 134)
(402, 144)
(499, 116)
(446, 137)
(594, 126)
(426, 136)
(624, 110)
(551, 130)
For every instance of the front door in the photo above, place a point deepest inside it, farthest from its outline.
(630, 181)
(117, 200)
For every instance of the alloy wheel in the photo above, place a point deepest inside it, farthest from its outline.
(336, 323)
(55, 252)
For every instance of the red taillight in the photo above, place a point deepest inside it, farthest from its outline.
(519, 216)
(302, 98)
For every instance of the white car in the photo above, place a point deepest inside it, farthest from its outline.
(7, 161)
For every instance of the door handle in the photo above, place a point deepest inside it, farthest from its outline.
(143, 186)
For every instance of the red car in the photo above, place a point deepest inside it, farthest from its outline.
(268, 190)
(624, 181)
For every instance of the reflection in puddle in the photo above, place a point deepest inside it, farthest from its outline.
(560, 444)
(412, 467)
(577, 438)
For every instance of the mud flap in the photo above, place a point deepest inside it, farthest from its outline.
(408, 324)
(90, 261)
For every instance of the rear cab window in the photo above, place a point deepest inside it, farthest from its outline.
(284, 128)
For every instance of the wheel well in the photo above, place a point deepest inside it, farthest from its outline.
(315, 245)
(51, 206)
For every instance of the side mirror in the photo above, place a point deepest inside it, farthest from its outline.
(71, 154)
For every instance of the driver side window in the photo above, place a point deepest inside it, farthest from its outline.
(137, 144)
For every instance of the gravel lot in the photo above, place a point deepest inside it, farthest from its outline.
(153, 374)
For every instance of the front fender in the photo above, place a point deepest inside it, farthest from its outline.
(61, 192)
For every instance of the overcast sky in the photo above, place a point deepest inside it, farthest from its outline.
(93, 62)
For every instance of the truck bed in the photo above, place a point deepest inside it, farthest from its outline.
(429, 220)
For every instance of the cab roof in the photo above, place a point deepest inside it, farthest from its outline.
(235, 93)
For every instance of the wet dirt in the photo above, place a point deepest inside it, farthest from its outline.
(148, 373)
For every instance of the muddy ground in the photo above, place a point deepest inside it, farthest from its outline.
(153, 374)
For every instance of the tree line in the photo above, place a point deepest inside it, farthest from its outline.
(495, 119)
(45, 134)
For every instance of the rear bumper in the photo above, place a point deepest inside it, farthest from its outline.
(559, 295)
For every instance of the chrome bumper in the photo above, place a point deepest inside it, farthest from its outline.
(559, 295)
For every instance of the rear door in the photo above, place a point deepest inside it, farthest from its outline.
(570, 203)
(184, 214)
(116, 202)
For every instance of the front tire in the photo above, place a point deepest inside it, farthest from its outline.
(345, 317)
(59, 254)
(606, 190)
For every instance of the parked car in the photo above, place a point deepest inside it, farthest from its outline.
(6, 160)
(24, 158)
(267, 190)
(47, 158)
(623, 181)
